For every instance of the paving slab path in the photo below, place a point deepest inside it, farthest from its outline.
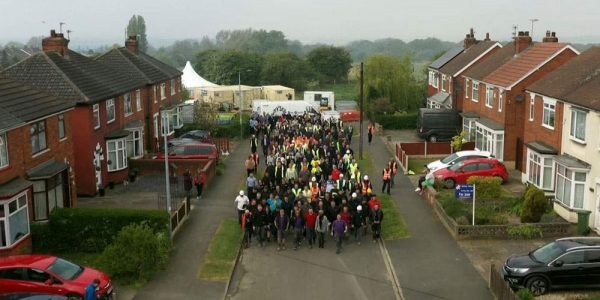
(179, 280)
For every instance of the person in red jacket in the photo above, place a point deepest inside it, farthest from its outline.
(374, 201)
(311, 221)
(346, 217)
(335, 174)
(199, 182)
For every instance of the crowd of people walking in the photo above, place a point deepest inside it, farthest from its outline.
(309, 185)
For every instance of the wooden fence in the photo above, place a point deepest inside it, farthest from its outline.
(499, 287)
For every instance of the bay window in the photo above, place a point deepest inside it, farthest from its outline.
(570, 187)
(49, 194)
(490, 140)
(469, 129)
(540, 170)
(14, 220)
(578, 118)
(475, 97)
(117, 154)
(3, 151)
(549, 113)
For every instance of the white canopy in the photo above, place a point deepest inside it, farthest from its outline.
(191, 79)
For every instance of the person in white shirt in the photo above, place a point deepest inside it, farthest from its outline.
(241, 201)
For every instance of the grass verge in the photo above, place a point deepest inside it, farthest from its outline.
(366, 164)
(393, 226)
(222, 252)
(418, 164)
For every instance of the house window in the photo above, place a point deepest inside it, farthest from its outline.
(532, 108)
(430, 77)
(467, 89)
(154, 92)
(489, 99)
(436, 77)
(61, 127)
(127, 104)
(96, 115)
(548, 116)
(48, 195)
(117, 154)
(540, 170)
(38, 137)
(577, 131)
(163, 91)
(172, 87)
(135, 143)
(138, 99)
(475, 97)
(165, 123)
(3, 151)
(110, 110)
(14, 220)
(570, 187)
(489, 140)
(469, 129)
(500, 98)
(444, 83)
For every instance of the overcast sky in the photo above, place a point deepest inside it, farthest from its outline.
(96, 22)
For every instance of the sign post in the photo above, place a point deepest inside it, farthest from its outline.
(467, 191)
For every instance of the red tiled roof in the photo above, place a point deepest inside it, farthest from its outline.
(468, 56)
(525, 62)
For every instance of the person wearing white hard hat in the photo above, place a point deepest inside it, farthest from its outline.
(366, 186)
(357, 224)
(241, 202)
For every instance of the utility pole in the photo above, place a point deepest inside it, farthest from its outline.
(361, 107)
(241, 103)
(532, 21)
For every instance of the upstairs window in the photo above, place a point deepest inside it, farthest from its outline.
(96, 115)
(489, 99)
(475, 91)
(435, 79)
(138, 99)
(173, 87)
(3, 151)
(444, 83)
(163, 91)
(127, 104)
(577, 131)
(549, 114)
(532, 108)
(61, 127)
(110, 110)
(38, 137)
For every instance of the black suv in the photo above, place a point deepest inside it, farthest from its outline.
(568, 262)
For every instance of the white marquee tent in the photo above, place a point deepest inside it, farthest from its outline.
(191, 80)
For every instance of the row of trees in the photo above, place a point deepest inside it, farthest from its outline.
(325, 64)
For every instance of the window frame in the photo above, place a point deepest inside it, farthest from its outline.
(110, 108)
(50, 186)
(62, 129)
(36, 133)
(173, 91)
(138, 99)
(500, 99)
(489, 100)
(21, 205)
(120, 146)
(467, 88)
(4, 154)
(550, 107)
(532, 109)
(132, 140)
(163, 91)
(475, 91)
(436, 83)
(96, 115)
(127, 104)
(560, 188)
(573, 130)
(444, 79)
(535, 159)
(491, 140)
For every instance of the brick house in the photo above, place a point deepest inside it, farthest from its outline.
(162, 90)
(450, 82)
(562, 144)
(36, 157)
(494, 105)
(434, 86)
(106, 110)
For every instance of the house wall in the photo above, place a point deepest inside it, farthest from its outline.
(590, 153)
(458, 82)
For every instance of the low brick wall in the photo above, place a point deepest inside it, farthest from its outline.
(176, 167)
(460, 232)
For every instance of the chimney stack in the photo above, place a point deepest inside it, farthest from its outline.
(56, 42)
(550, 37)
(487, 37)
(522, 41)
(132, 44)
(470, 39)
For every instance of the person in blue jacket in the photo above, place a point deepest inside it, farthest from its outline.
(90, 291)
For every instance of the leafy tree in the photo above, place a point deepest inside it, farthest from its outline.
(222, 66)
(332, 63)
(256, 41)
(4, 62)
(137, 27)
(287, 69)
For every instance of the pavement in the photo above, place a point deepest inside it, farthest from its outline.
(429, 264)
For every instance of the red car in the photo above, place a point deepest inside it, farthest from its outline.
(51, 275)
(192, 151)
(460, 172)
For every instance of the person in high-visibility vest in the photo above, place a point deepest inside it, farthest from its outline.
(394, 168)
(387, 178)
(314, 192)
(366, 186)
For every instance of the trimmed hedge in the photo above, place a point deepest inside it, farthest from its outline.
(487, 187)
(396, 122)
(91, 229)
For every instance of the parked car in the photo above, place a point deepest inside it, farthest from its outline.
(201, 135)
(31, 296)
(460, 172)
(192, 150)
(44, 274)
(567, 262)
(438, 124)
(457, 157)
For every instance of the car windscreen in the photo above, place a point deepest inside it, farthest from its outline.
(449, 158)
(548, 253)
(65, 269)
(456, 166)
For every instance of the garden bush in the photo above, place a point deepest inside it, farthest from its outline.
(91, 230)
(396, 122)
(525, 231)
(534, 205)
(486, 187)
(454, 208)
(137, 253)
(525, 294)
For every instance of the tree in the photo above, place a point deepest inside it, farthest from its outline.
(332, 63)
(137, 27)
(287, 69)
(4, 62)
(222, 66)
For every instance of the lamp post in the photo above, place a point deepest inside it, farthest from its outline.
(532, 21)
(165, 126)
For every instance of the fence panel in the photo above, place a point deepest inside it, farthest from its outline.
(499, 287)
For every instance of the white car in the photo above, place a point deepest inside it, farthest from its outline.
(456, 157)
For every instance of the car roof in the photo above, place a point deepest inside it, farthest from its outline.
(579, 242)
(41, 262)
(472, 152)
(480, 160)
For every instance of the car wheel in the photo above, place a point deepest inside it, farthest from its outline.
(450, 183)
(537, 285)
(432, 138)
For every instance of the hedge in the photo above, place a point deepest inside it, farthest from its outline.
(405, 121)
(91, 230)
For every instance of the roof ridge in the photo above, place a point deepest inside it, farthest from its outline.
(129, 62)
(64, 76)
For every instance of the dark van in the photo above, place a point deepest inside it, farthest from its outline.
(434, 124)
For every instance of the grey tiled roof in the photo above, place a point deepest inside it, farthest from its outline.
(140, 66)
(20, 104)
(74, 77)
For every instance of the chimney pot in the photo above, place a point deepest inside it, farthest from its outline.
(56, 42)
(521, 33)
(526, 33)
(52, 32)
(487, 36)
(553, 34)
